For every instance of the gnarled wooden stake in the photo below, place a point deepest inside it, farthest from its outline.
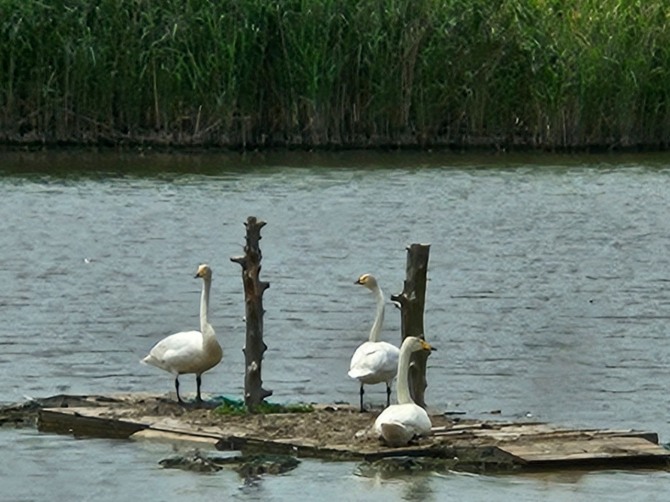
(254, 394)
(412, 301)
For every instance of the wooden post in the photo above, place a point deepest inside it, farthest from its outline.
(254, 394)
(412, 301)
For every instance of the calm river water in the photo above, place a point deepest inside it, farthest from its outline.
(549, 297)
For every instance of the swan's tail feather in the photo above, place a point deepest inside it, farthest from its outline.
(151, 360)
(357, 373)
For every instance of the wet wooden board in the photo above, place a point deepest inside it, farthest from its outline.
(597, 450)
(83, 422)
(513, 433)
(174, 437)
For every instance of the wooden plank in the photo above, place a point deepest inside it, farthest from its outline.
(539, 434)
(70, 421)
(158, 435)
(509, 432)
(177, 426)
(597, 449)
(101, 422)
(287, 446)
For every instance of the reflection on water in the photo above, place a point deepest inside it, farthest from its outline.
(415, 484)
(548, 293)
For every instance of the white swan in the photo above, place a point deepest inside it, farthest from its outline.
(400, 423)
(374, 361)
(190, 351)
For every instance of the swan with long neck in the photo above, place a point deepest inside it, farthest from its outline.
(398, 424)
(374, 361)
(190, 351)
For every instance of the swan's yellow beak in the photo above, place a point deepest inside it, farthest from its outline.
(426, 346)
(364, 279)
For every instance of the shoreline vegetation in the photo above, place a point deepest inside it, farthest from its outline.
(322, 74)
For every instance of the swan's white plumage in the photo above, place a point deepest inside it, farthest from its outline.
(399, 423)
(190, 351)
(180, 353)
(374, 361)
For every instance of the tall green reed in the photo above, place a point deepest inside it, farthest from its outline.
(545, 73)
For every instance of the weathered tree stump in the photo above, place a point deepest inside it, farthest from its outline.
(412, 301)
(254, 394)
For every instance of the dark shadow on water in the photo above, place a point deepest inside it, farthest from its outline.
(74, 164)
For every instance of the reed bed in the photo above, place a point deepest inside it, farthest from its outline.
(326, 73)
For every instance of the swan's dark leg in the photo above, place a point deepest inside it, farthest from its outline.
(362, 392)
(198, 381)
(388, 395)
(176, 386)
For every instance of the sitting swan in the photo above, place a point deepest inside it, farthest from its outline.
(374, 361)
(400, 423)
(190, 351)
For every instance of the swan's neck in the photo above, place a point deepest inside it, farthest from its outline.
(402, 385)
(376, 330)
(205, 328)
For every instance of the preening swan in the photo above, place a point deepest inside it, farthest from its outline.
(190, 351)
(400, 423)
(374, 361)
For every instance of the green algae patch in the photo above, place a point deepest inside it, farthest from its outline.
(237, 407)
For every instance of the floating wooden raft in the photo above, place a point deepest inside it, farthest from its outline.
(468, 444)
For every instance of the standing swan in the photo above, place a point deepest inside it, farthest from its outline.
(400, 423)
(374, 361)
(189, 351)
